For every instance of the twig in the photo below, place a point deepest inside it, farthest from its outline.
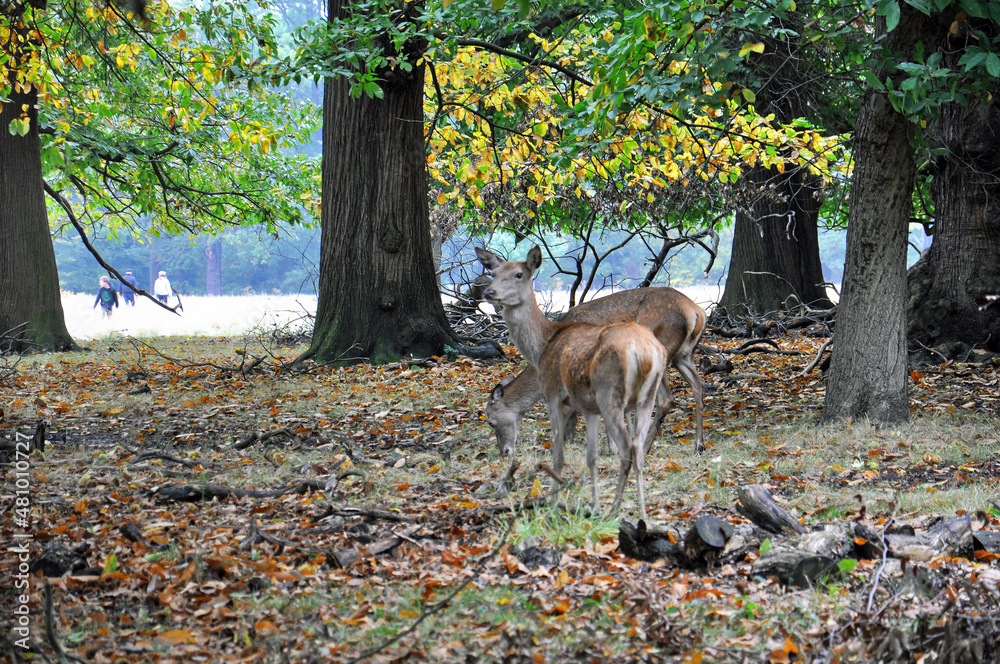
(156, 454)
(551, 473)
(732, 378)
(932, 350)
(819, 356)
(507, 481)
(50, 630)
(434, 608)
(260, 437)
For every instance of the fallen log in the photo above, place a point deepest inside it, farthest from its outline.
(948, 539)
(757, 505)
(705, 543)
(639, 541)
(795, 568)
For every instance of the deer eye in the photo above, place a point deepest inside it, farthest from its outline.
(518, 275)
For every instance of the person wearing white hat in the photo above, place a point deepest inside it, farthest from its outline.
(161, 287)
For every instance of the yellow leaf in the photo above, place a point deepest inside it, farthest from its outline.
(536, 488)
(176, 637)
(110, 563)
(442, 199)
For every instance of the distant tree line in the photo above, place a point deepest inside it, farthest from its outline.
(239, 261)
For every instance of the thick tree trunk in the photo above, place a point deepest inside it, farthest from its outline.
(963, 264)
(378, 294)
(775, 259)
(776, 246)
(30, 306)
(868, 372)
(213, 267)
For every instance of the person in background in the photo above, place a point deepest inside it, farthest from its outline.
(106, 296)
(161, 287)
(129, 286)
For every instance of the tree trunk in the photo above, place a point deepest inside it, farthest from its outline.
(868, 372)
(213, 267)
(775, 238)
(776, 246)
(963, 263)
(31, 313)
(378, 295)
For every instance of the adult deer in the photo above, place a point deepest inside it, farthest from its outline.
(596, 371)
(674, 318)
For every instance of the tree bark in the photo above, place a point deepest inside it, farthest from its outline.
(775, 238)
(868, 371)
(776, 246)
(947, 284)
(378, 295)
(30, 305)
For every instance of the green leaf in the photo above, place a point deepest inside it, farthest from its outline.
(110, 564)
(891, 15)
(873, 81)
(993, 65)
(749, 95)
(847, 565)
(498, 4)
(766, 546)
(20, 127)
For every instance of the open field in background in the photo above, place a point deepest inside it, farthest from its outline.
(231, 315)
(322, 576)
(226, 315)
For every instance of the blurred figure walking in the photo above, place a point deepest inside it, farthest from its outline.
(161, 288)
(107, 296)
(129, 286)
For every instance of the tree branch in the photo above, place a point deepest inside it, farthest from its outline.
(59, 198)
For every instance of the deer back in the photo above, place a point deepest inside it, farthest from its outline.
(586, 365)
(674, 318)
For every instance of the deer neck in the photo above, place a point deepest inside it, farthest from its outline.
(529, 329)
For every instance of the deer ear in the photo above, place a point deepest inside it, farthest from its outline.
(534, 258)
(497, 392)
(487, 258)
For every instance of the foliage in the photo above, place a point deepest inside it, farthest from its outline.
(920, 88)
(169, 124)
(537, 117)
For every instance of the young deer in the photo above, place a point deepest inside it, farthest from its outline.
(596, 371)
(674, 318)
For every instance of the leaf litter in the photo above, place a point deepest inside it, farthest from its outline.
(344, 514)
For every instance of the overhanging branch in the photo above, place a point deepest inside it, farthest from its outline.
(61, 200)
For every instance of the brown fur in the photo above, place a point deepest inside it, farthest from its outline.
(675, 319)
(597, 371)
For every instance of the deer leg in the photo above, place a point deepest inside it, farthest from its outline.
(664, 402)
(569, 433)
(643, 413)
(559, 419)
(685, 365)
(593, 423)
(615, 425)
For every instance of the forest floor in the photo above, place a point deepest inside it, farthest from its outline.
(211, 511)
